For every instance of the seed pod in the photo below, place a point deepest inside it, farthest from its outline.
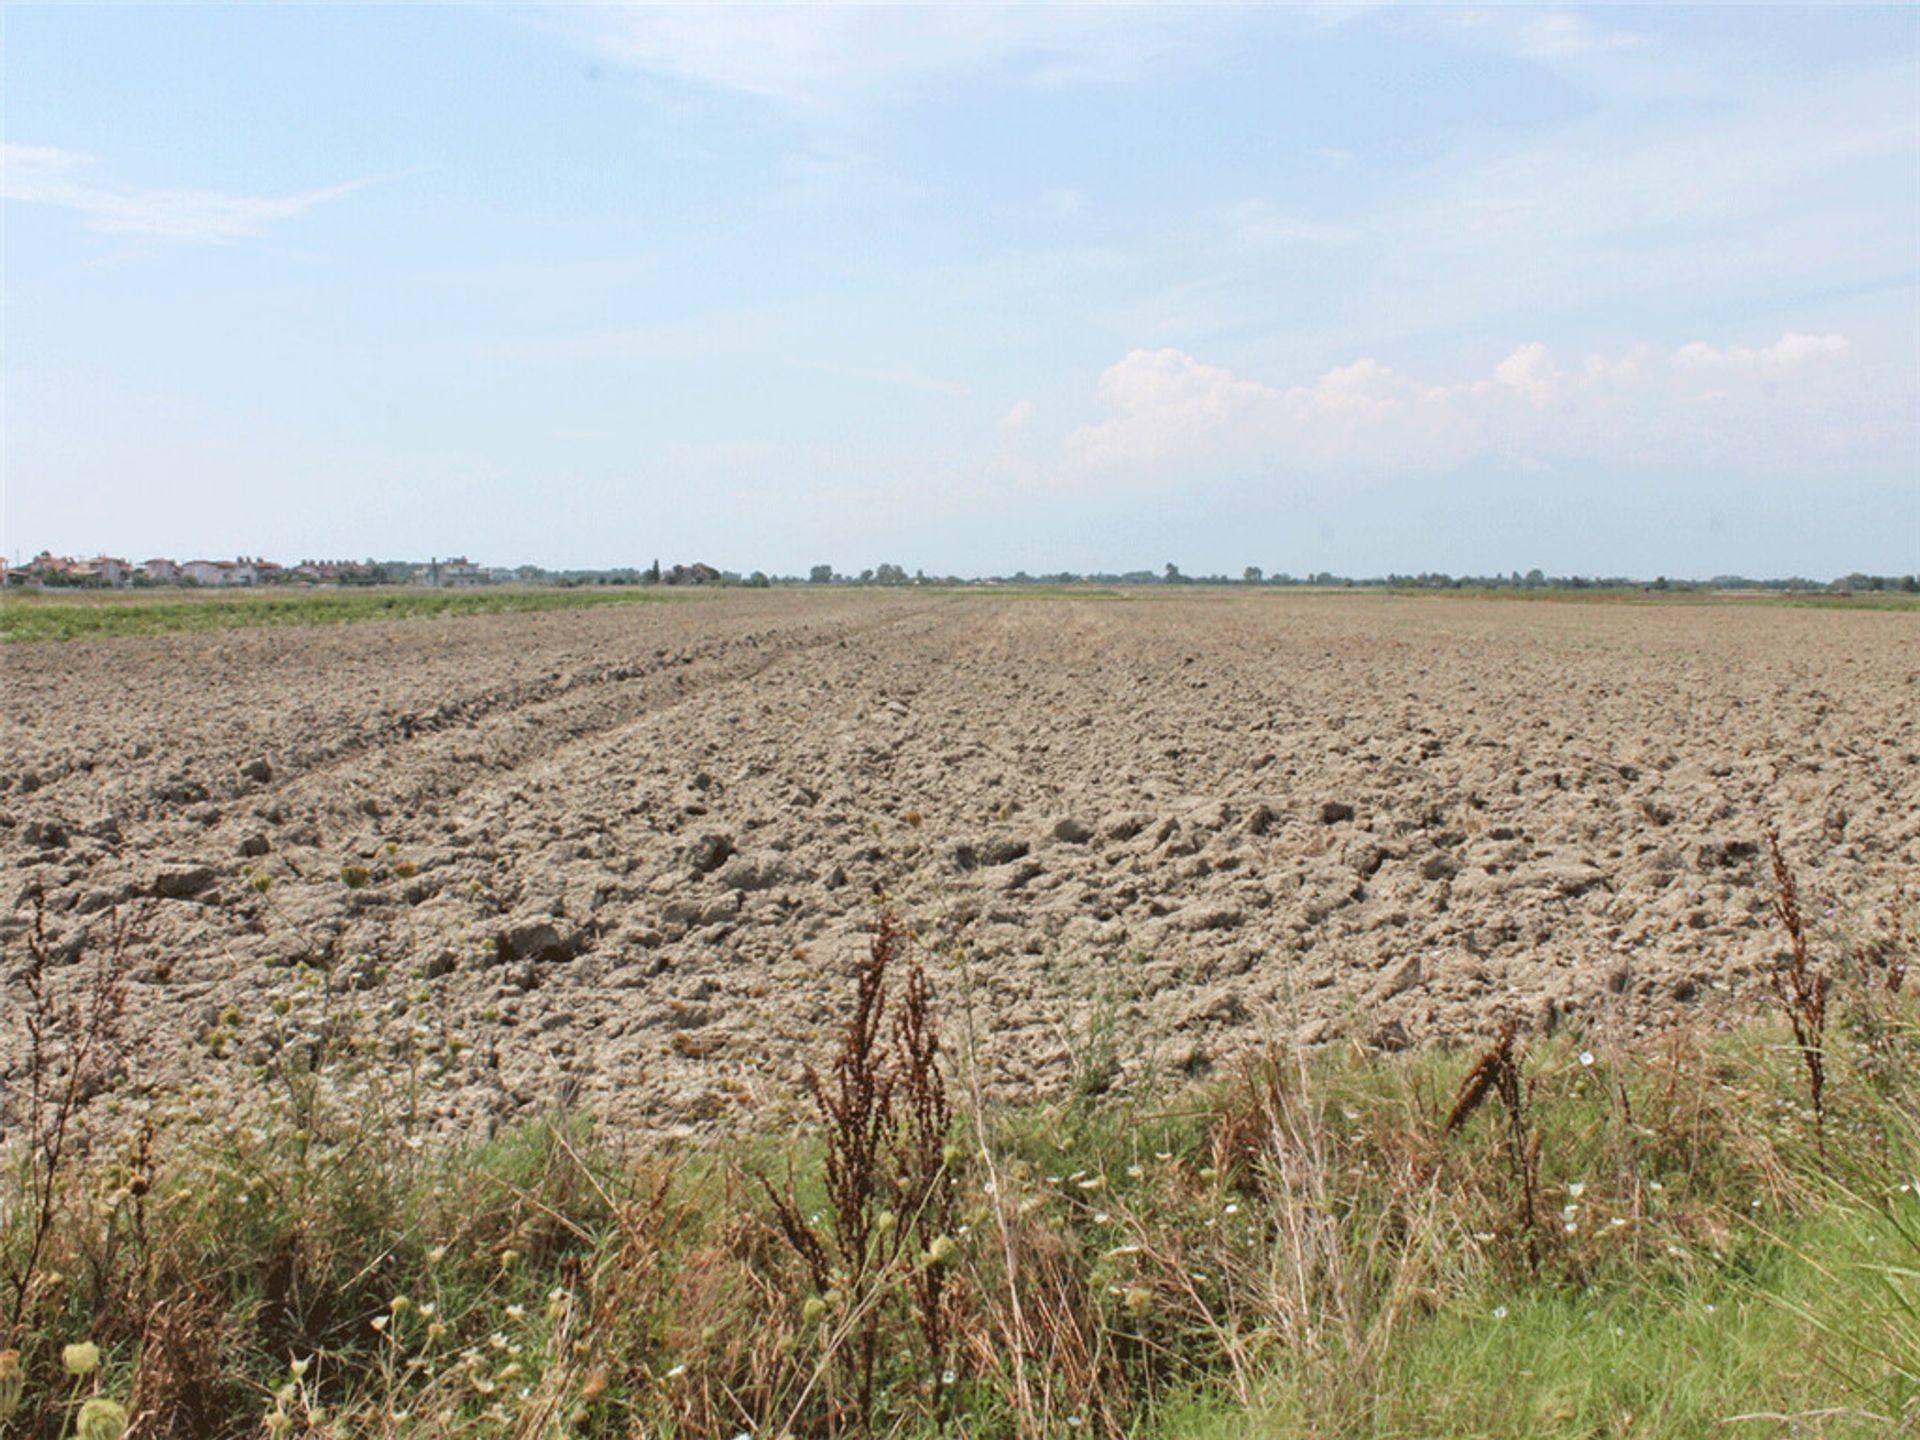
(101, 1419)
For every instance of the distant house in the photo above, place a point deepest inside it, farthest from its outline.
(455, 573)
(694, 574)
(220, 572)
(47, 568)
(160, 571)
(331, 572)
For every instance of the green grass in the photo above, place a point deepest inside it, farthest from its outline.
(41, 617)
(1304, 1250)
(1636, 595)
(1868, 600)
(1040, 592)
(1565, 1364)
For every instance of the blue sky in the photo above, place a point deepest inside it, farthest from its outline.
(968, 288)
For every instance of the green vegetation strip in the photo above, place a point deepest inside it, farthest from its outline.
(1642, 595)
(34, 617)
(1038, 592)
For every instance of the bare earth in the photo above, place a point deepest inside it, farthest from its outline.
(628, 854)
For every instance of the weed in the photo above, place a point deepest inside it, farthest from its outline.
(1497, 1072)
(889, 1206)
(1801, 990)
(74, 1053)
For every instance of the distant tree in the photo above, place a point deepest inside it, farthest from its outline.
(653, 572)
(1535, 579)
(758, 580)
(866, 577)
(1173, 575)
(890, 575)
(1253, 575)
(820, 575)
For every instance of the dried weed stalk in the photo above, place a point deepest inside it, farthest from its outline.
(889, 1211)
(1801, 990)
(74, 1052)
(1497, 1072)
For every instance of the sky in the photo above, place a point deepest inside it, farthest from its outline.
(969, 289)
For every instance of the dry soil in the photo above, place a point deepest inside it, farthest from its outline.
(623, 858)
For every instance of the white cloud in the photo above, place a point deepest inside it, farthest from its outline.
(1531, 371)
(1790, 349)
(1567, 35)
(1789, 188)
(1161, 401)
(45, 175)
(817, 54)
(1605, 370)
(1064, 203)
(1016, 419)
(1258, 222)
(1167, 411)
(912, 379)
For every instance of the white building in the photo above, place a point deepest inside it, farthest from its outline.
(219, 572)
(457, 572)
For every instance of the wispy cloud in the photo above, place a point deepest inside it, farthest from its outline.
(719, 333)
(818, 55)
(46, 175)
(1258, 222)
(1553, 37)
(1790, 349)
(912, 379)
(1568, 35)
(1063, 203)
(1792, 188)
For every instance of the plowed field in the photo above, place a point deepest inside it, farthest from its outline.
(622, 858)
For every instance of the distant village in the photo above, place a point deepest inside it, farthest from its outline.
(47, 571)
(109, 572)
